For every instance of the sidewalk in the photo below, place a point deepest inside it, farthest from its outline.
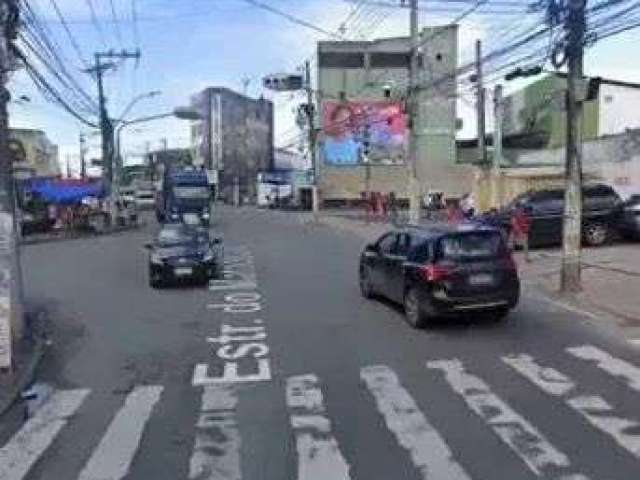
(610, 276)
(27, 355)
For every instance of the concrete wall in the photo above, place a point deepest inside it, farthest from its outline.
(619, 109)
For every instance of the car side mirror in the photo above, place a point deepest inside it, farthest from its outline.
(148, 246)
(216, 241)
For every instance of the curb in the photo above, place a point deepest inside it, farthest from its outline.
(25, 378)
(79, 236)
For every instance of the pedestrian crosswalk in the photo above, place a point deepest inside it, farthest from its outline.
(222, 441)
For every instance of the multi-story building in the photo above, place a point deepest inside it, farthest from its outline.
(362, 89)
(234, 139)
(537, 113)
(35, 155)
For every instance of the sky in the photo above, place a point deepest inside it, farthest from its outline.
(189, 45)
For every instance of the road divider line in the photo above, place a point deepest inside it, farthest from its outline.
(429, 451)
(112, 458)
(319, 456)
(542, 458)
(608, 363)
(216, 451)
(593, 408)
(25, 447)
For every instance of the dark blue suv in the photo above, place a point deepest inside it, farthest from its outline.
(441, 270)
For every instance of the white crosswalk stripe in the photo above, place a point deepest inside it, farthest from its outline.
(593, 408)
(216, 451)
(23, 450)
(522, 437)
(112, 458)
(608, 363)
(429, 452)
(319, 456)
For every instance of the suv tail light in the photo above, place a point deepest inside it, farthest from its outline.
(435, 273)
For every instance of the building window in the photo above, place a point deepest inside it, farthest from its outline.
(608, 99)
(341, 60)
(391, 60)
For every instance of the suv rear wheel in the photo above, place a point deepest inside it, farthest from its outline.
(365, 283)
(413, 310)
(595, 234)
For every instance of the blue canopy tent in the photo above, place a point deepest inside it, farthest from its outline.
(66, 193)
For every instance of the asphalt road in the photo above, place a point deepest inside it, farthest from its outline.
(282, 371)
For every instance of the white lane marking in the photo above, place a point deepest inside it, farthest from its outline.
(319, 456)
(112, 458)
(548, 379)
(593, 408)
(216, 451)
(428, 450)
(610, 364)
(524, 439)
(25, 447)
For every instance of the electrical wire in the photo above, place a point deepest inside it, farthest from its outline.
(96, 22)
(72, 39)
(116, 22)
(50, 92)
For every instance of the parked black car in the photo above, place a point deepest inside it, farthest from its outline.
(184, 252)
(441, 270)
(630, 223)
(601, 215)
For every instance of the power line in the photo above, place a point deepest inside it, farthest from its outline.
(116, 22)
(42, 84)
(72, 39)
(294, 19)
(96, 23)
(48, 54)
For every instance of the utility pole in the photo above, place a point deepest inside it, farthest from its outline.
(498, 113)
(412, 107)
(575, 24)
(11, 317)
(106, 124)
(83, 153)
(310, 111)
(480, 104)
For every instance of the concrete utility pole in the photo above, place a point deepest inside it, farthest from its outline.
(480, 104)
(83, 154)
(11, 317)
(310, 111)
(106, 125)
(498, 113)
(412, 107)
(572, 228)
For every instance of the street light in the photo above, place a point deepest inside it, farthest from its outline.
(135, 100)
(182, 113)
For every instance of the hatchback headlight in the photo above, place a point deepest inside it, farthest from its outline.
(209, 256)
(156, 259)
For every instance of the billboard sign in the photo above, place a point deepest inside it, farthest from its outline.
(348, 126)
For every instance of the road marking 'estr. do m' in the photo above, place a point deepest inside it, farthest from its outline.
(236, 342)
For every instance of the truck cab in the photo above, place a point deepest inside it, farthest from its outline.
(184, 196)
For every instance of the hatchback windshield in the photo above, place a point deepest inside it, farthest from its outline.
(482, 244)
(191, 192)
(180, 235)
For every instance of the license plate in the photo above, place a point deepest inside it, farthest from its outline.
(183, 271)
(481, 279)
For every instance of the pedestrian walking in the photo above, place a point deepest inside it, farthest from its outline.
(454, 213)
(520, 227)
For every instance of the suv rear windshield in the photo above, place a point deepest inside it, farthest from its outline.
(471, 245)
